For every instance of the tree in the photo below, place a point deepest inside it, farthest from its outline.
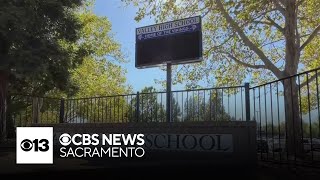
(31, 33)
(269, 38)
(197, 108)
(100, 74)
(103, 83)
(150, 108)
(176, 111)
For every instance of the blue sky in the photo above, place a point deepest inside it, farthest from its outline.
(123, 26)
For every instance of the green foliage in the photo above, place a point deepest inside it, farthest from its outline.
(150, 109)
(197, 108)
(176, 111)
(110, 109)
(96, 37)
(99, 74)
(26, 110)
(99, 78)
(32, 58)
(30, 36)
(246, 38)
(256, 41)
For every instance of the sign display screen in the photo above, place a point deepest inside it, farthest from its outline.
(176, 42)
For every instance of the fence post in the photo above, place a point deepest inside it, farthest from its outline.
(169, 98)
(137, 107)
(247, 100)
(61, 115)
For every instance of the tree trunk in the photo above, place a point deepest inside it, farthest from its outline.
(37, 103)
(3, 104)
(9, 121)
(291, 97)
(293, 120)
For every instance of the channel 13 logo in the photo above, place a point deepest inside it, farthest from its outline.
(37, 145)
(34, 145)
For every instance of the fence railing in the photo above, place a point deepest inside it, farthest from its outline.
(287, 113)
(212, 104)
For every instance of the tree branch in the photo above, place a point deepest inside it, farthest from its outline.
(309, 80)
(278, 6)
(269, 43)
(281, 29)
(221, 44)
(268, 64)
(209, 9)
(312, 35)
(271, 23)
(300, 2)
(243, 63)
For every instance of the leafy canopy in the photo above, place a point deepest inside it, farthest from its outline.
(252, 39)
(101, 72)
(31, 34)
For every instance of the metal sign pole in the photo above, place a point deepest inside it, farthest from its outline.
(169, 109)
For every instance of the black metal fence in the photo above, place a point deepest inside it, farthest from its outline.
(214, 104)
(287, 112)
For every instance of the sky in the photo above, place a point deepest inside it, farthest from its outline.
(123, 26)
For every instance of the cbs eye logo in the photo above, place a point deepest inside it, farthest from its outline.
(65, 139)
(38, 145)
(34, 145)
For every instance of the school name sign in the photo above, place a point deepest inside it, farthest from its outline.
(176, 42)
(170, 28)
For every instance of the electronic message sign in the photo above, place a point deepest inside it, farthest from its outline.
(176, 42)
